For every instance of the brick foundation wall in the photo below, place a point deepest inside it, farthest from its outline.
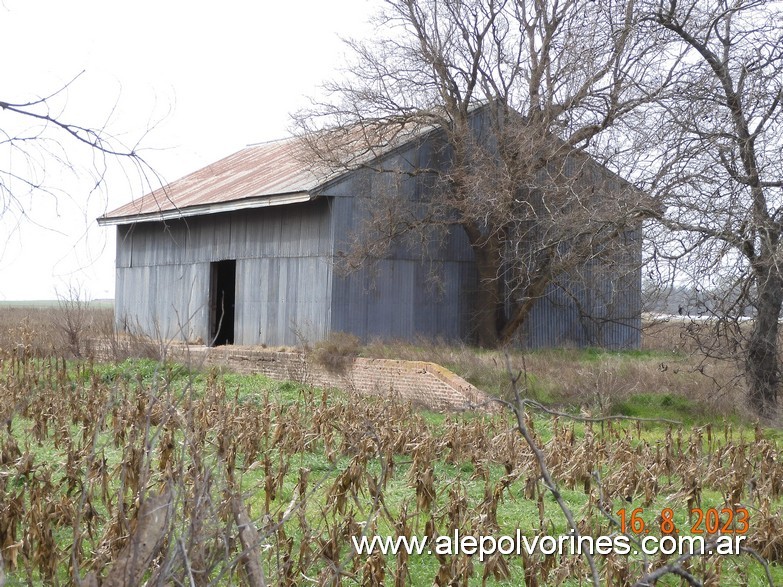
(419, 382)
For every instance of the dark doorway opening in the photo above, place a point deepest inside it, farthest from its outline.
(221, 302)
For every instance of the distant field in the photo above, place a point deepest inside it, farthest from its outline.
(51, 303)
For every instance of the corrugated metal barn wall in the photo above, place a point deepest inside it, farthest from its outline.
(415, 290)
(597, 303)
(283, 273)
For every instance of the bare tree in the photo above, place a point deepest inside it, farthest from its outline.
(717, 171)
(73, 317)
(550, 80)
(37, 136)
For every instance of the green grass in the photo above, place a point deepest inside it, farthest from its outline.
(661, 405)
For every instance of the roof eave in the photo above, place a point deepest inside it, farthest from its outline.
(205, 209)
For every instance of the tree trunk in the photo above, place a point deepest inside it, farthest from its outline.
(489, 299)
(521, 312)
(761, 364)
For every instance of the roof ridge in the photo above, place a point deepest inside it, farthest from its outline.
(271, 141)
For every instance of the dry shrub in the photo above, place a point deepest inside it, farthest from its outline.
(119, 346)
(336, 354)
(28, 330)
(712, 387)
(713, 338)
(599, 387)
(41, 331)
(72, 330)
(689, 337)
(591, 378)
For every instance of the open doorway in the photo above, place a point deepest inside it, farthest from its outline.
(222, 296)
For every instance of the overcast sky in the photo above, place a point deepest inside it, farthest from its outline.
(206, 77)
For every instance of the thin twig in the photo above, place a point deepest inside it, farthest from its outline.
(591, 419)
(761, 560)
(519, 412)
(186, 561)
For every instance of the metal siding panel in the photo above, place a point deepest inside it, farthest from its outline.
(242, 305)
(426, 302)
(204, 236)
(308, 286)
(235, 225)
(280, 308)
(339, 304)
(149, 300)
(239, 236)
(271, 233)
(281, 293)
(448, 306)
(120, 298)
(290, 292)
(269, 285)
(139, 246)
(323, 297)
(358, 302)
(469, 277)
(558, 321)
(382, 310)
(249, 234)
(170, 313)
(307, 299)
(407, 328)
(255, 300)
(221, 238)
(291, 235)
(250, 247)
(340, 300)
(310, 243)
(265, 299)
(457, 246)
(197, 278)
(373, 293)
(342, 222)
(189, 238)
(164, 301)
(123, 250)
(300, 292)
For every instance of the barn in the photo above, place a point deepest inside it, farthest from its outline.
(247, 250)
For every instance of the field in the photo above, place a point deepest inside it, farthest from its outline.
(134, 470)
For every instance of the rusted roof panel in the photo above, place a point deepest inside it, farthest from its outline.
(268, 174)
(269, 169)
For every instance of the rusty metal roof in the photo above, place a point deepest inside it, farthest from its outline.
(260, 175)
(269, 174)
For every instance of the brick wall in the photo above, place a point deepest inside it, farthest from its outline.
(419, 382)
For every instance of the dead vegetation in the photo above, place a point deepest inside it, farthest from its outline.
(337, 352)
(71, 329)
(111, 472)
(672, 360)
(593, 379)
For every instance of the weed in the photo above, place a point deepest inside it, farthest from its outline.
(337, 352)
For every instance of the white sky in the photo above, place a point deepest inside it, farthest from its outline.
(210, 77)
